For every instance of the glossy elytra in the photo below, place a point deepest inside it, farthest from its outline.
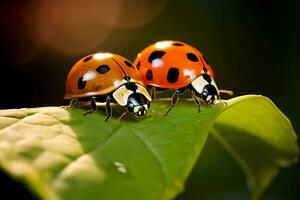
(179, 66)
(109, 78)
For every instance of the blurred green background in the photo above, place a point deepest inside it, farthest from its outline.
(252, 45)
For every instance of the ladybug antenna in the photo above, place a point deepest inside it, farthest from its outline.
(228, 92)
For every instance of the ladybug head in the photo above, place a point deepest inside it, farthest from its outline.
(133, 96)
(205, 88)
(138, 104)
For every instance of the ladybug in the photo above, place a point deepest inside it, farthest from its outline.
(109, 78)
(179, 66)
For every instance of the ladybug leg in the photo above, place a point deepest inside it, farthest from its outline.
(73, 103)
(151, 91)
(108, 108)
(174, 99)
(93, 107)
(197, 102)
(122, 115)
(223, 101)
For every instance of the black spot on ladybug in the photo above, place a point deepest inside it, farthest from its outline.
(129, 64)
(207, 77)
(156, 54)
(81, 83)
(177, 44)
(131, 86)
(192, 57)
(102, 69)
(149, 74)
(138, 65)
(173, 75)
(205, 59)
(87, 58)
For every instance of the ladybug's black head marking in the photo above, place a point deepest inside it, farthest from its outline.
(209, 93)
(207, 77)
(131, 86)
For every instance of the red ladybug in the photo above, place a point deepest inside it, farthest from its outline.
(177, 65)
(110, 78)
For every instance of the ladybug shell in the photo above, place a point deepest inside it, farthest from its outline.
(171, 64)
(99, 74)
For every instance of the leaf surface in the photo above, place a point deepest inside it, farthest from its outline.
(60, 154)
(259, 136)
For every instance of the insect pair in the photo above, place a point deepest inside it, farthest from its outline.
(111, 78)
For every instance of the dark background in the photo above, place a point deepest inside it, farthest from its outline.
(252, 45)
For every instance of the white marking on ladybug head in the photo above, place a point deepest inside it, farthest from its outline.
(146, 106)
(141, 89)
(199, 84)
(136, 109)
(208, 98)
(100, 56)
(89, 75)
(157, 63)
(121, 95)
(139, 110)
(163, 44)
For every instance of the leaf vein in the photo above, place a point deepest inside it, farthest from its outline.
(155, 155)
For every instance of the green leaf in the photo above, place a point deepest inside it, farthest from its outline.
(258, 135)
(63, 155)
(60, 154)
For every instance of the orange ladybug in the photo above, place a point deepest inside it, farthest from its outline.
(110, 78)
(177, 65)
